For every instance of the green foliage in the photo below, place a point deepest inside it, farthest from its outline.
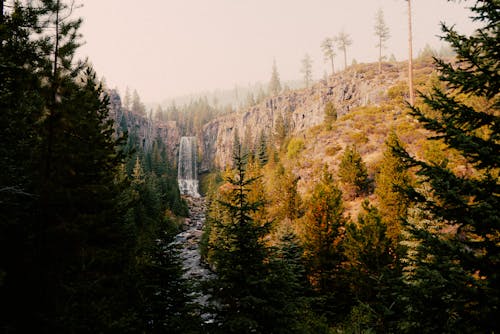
(371, 264)
(295, 146)
(324, 231)
(257, 289)
(330, 114)
(391, 179)
(74, 236)
(352, 172)
(451, 268)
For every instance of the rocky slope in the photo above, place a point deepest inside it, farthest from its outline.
(358, 86)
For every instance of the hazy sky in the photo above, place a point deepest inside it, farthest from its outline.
(165, 48)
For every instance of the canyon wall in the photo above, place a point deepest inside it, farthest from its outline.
(358, 86)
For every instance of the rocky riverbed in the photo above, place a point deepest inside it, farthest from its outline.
(189, 240)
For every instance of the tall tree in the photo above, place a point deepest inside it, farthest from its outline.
(306, 69)
(382, 33)
(239, 254)
(410, 56)
(324, 233)
(274, 83)
(343, 41)
(452, 269)
(328, 52)
(371, 265)
(390, 182)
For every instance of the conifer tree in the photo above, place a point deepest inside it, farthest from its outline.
(328, 52)
(382, 33)
(343, 40)
(239, 255)
(391, 179)
(306, 69)
(324, 232)
(453, 232)
(352, 172)
(274, 83)
(371, 265)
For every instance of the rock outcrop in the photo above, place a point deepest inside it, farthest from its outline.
(301, 109)
(145, 128)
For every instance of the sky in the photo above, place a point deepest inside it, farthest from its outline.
(167, 48)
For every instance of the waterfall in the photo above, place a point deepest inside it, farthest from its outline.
(187, 173)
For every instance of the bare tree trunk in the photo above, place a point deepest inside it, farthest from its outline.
(333, 69)
(410, 56)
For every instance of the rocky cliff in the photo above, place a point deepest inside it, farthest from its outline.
(359, 85)
(145, 128)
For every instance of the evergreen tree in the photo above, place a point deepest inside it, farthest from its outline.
(391, 179)
(382, 33)
(324, 232)
(262, 149)
(306, 70)
(352, 172)
(239, 255)
(371, 265)
(274, 83)
(330, 114)
(343, 40)
(328, 52)
(453, 232)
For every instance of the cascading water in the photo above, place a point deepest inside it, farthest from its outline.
(187, 173)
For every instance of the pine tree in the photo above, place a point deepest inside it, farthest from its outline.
(330, 114)
(453, 232)
(371, 265)
(274, 83)
(391, 179)
(328, 52)
(324, 231)
(239, 254)
(352, 172)
(343, 40)
(382, 33)
(262, 149)
(306, 70)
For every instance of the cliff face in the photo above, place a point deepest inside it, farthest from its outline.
(145, 129)
(301, 110)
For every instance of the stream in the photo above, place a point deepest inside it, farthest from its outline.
(188, 241)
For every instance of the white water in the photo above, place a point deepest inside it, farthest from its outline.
(187, 173)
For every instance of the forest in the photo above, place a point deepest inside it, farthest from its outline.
(381, 218)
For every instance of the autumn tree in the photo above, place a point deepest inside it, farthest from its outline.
(451, 268)
(382, 33)
(328, 52)
(343, 41)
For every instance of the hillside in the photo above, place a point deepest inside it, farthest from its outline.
(359, 86)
